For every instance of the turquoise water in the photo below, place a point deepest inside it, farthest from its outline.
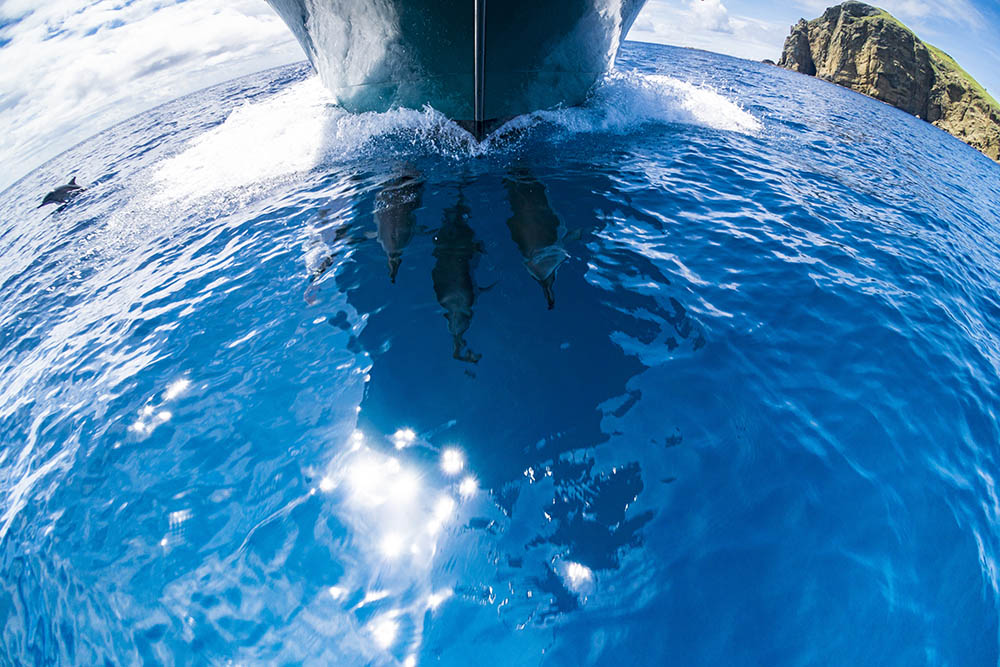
(758, 424)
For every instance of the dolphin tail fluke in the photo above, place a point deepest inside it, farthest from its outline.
(481, 290)
(322, 268)
(310, 295)
(462, 352)
(394, 263)
(550, 297)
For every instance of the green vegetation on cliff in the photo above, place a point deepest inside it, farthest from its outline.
(868, 50)
(947, 63)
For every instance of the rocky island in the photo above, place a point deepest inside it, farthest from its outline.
(866, 49)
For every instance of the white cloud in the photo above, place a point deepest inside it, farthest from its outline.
(961, 12)
(708, 25)
(711, 15)
(68, 72)
(69, 69)
(757, 30)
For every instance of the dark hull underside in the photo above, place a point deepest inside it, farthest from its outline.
(536, 54)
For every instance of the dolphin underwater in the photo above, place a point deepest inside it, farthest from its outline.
(535, 228)
(395, 217)
(456, 250)
(63, 193)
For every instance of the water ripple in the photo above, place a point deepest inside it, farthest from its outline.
(710, 359)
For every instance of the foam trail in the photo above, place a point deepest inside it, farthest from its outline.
(257, 142)
(290, 133)
(300, 129)
(625, 102)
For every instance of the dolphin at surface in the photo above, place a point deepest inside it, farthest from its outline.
(534, 227)
(395, 217)
(63, 193)
(456, 251)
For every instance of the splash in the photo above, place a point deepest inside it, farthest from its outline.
(624, 103)
(301, 129)
(293, 132)
(258, 141)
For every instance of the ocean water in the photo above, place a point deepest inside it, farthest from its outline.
(703, 372)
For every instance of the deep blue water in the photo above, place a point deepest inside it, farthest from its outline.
(757, 427)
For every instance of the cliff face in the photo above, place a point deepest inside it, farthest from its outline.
(867, 50)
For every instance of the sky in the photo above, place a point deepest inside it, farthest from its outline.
(71, 68)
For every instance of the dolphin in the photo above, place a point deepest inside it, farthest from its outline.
(395, 217)
(534, 227)
(63, 193)
(456, 251)
(330, 235)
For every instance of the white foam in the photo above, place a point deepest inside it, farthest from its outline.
(290, 133)
(257, 142)
(624, 102)
(300, 129)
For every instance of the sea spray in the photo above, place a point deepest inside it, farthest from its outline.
(299, 130)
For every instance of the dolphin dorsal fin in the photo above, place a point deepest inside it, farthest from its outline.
(72, 181)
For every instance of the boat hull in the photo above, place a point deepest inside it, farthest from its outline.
(375, 55)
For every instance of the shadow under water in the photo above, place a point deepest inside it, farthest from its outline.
(395, 216)
(735, 429)
(535, 228)
(516, 428)
(456, 252)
